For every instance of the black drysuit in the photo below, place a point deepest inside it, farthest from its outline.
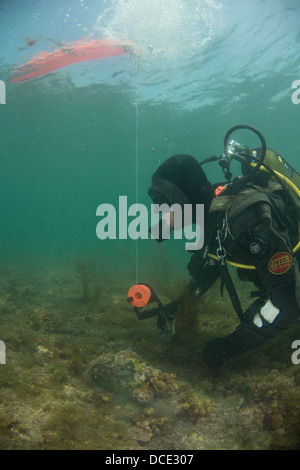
(262, 230)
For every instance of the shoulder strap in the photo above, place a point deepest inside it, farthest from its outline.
(252, 194)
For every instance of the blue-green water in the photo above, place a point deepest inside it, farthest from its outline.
(88, 133)
(71, 140)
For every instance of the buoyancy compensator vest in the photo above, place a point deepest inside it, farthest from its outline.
(261, 168)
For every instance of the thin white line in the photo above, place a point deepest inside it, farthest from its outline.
(137, 167)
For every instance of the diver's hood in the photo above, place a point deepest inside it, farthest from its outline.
(181, 180)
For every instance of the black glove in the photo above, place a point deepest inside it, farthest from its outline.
(204, 274)
(196, 264)
(166, 315)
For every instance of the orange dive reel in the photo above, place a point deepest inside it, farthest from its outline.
(141, 295)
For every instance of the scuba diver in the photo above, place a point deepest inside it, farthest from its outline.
(252, 223)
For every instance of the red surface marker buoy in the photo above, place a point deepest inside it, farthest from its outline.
(69, 54)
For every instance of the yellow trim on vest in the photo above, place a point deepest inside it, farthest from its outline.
(246, 266)
(295, 249)
(293, 186)
(231, 263)
(284, 178)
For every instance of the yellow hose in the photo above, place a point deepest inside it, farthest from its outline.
(295, 249)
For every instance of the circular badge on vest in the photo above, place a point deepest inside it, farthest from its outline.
(255, 248)
(280, 263)
(259, 244)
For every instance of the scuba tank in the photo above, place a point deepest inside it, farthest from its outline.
(263, 159)
(254, 164)
(277, 163)
(279, 170)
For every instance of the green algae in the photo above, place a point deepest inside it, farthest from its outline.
(79, 430)
(150, 393)
(90, 282)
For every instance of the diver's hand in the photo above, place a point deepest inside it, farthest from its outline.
(194, 288)
(204, 273)
(196, 265)
(166, 316)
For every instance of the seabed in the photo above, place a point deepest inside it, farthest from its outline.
(82, 372)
